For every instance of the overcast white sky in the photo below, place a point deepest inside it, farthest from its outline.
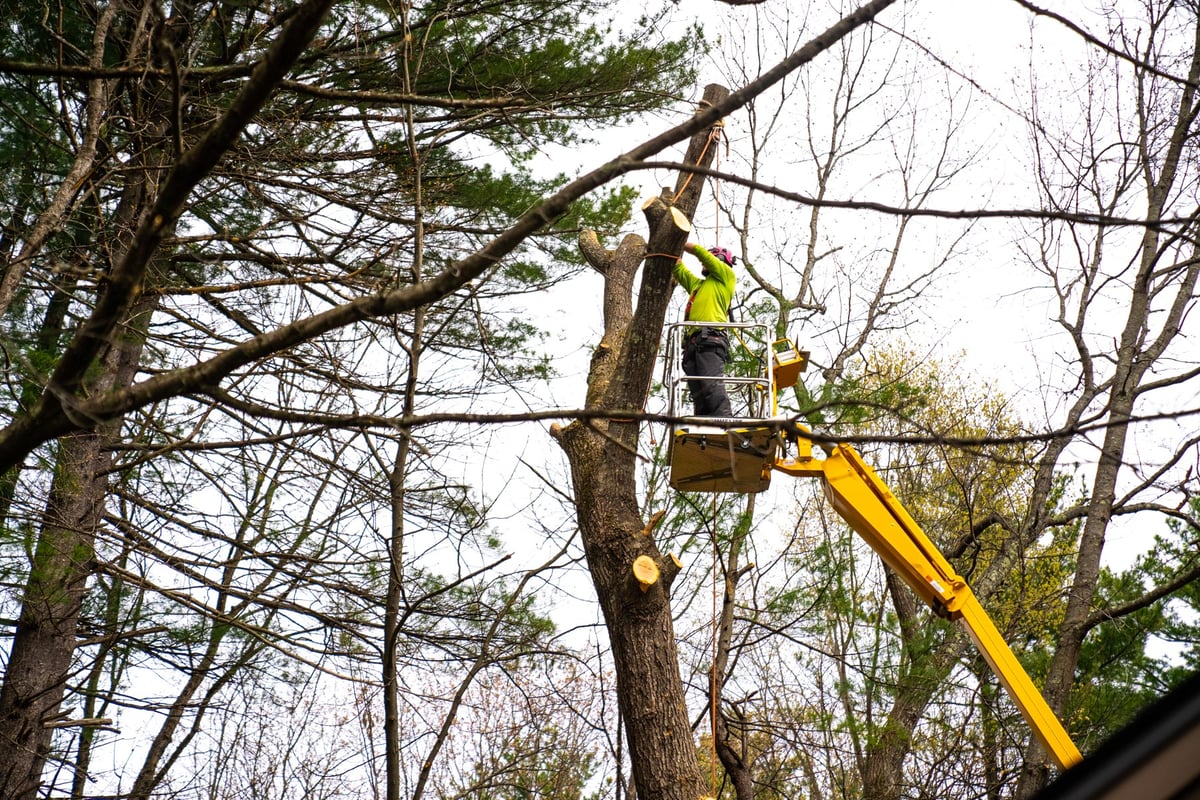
(983, 306)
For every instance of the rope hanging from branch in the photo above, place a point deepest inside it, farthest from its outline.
(714, 135)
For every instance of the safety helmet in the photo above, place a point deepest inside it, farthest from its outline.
(723, 254)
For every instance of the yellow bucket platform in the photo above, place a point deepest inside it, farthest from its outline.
(714, 458)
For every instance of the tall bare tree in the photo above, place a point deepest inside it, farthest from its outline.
(1121, 301)
(840, 286)
(603, 458)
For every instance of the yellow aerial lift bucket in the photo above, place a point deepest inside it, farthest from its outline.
(726, 454)
(710, 458)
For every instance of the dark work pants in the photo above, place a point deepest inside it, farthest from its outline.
(704, 354)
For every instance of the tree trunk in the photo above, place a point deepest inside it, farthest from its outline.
(38, 668)
(44, 642)
(734, 754)
(924, 669)
(602, 456)
(42, 649)
(1135, 357)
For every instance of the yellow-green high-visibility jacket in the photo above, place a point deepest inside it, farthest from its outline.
(709, 296)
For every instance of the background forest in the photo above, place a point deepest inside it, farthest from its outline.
(322, 448)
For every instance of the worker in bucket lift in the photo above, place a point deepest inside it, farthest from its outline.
(706, 349)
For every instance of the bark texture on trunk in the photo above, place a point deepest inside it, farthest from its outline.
(44, 643)
(602, 455)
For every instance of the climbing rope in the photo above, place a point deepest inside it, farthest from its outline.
(716, 189)
(714, 134)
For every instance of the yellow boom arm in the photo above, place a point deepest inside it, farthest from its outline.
(864, 501)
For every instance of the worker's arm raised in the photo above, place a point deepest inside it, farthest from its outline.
(713, 265)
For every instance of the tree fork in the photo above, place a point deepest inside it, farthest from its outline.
(603, 463)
